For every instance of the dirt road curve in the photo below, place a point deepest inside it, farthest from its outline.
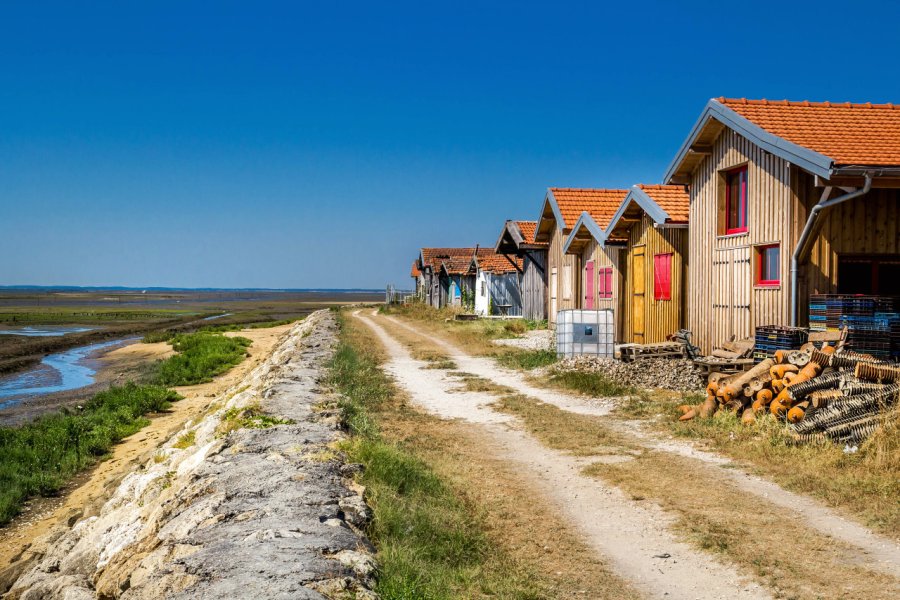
(637, 538)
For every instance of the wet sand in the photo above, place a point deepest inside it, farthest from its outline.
(87, 492)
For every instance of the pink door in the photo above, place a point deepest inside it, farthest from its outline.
(589, 284)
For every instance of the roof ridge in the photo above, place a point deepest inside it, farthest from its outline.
(807, 103)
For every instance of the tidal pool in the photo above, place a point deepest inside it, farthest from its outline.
(60, 372)
(45, 330)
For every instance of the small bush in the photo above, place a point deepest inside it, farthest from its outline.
(517, 326)
(201, 356)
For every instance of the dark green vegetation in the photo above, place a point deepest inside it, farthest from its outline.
(37, 459)
(431, 544)
(201, 356)
(527, 359)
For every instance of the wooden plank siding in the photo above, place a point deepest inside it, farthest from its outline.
(603, 257)
(557, 259)
(660, 318)
(534, 285)
(722, 298)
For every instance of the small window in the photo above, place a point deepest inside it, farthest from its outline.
(662, 276)
(736, 201)
(483, 288)
(768, 265)
(604, 284)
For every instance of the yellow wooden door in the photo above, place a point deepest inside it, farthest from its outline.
(639, 287)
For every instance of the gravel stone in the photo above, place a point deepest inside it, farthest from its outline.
(672, 374)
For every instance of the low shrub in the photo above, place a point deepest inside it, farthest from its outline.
(201, 356)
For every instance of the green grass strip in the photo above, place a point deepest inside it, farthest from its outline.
(37, 459)
(430, 543)
(201, 356)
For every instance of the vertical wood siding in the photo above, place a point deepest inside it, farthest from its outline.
(534, 285)
(661, 318)
(557, 260)
(604, 257)
(722, 300)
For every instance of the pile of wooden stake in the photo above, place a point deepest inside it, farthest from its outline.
(824, 394)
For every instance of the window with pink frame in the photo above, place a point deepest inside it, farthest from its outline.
(736, 201)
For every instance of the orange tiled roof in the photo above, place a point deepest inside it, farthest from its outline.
(849, 134)
(673, 199)
(433, 256)
(492, 262)
(458, 265)
(599, 203)
(414, 271)
(527, 228)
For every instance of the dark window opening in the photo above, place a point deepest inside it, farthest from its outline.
(736, 201)
(869, 275)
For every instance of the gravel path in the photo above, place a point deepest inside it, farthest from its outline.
(635, 538)
(875, 551)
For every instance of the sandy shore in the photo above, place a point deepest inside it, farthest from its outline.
(87, 493)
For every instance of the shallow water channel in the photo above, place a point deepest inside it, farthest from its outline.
(59, 372)
(45, 330)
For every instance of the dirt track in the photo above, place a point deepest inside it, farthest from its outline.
(638, 538)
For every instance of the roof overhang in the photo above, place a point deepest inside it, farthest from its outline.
(549, 218)
(584, 230)
(708, 126)
(510, 240)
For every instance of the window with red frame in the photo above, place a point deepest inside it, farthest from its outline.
(736, 201)
(662, 276)
(768, 265)
(604, 283)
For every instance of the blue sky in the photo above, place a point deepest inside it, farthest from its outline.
(293, 144)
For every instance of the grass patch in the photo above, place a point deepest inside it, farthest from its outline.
(597, 385)
(430, 541)
(714, 515)
(581, 435)
(38, 458)
(527, 360)
(201, 356)
(186, 441)
(248, 417)
(865, 483)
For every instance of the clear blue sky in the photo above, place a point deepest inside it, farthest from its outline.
(321, 144)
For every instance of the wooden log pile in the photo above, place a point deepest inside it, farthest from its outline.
(823, 394)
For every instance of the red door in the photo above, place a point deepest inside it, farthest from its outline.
(589, 284)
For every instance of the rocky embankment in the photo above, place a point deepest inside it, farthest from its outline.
(250, 500)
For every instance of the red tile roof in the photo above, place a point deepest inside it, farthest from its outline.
(599, 203)
(674, 199)
(414, 271)
(527, 228)
(849, 134)
(491, 262)
(433, 256)
(458, 265)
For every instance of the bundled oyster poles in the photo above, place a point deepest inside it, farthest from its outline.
(825, 394)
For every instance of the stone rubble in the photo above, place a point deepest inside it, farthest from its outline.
(672, 374)
(251, 513)
(536, 339)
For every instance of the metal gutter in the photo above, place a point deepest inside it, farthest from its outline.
(812, 225)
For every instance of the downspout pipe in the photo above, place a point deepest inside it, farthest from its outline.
(812, 223)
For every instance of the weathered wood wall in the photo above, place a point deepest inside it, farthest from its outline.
(661, 318)
(503, 288)
(534, 285)
(603, 257)
(556, 259)
(722, 300)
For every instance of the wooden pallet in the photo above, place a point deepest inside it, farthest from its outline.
(632, 352)
(710, 365)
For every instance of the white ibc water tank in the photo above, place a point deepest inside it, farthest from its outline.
(580, 332)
